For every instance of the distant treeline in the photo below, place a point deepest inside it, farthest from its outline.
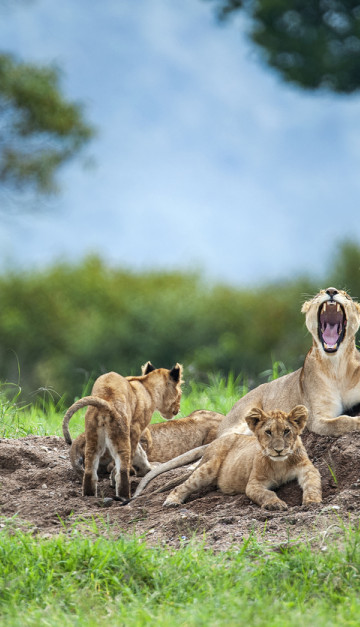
(65, 324)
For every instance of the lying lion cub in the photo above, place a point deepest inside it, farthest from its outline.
(120, 409)
(158, 442)
(255, 464)
(165, 440)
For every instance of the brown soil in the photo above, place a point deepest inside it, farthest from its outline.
(39, 486)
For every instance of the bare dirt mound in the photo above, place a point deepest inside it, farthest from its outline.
(38, 485)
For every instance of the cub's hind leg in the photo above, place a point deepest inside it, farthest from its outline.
(118, 443)
(206, 474)
(94, 448)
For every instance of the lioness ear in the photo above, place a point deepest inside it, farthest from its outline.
(299, 416)
(176, 372)
(148, 367)
(306, 306)
(253, 418)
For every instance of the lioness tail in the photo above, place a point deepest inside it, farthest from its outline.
(181, 460)
(95, 401)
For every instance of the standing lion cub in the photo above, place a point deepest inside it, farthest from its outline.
(120, 409)
(255, 464)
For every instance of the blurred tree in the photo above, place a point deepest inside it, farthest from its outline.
(346, 273)
(39, 129)
(313, 43)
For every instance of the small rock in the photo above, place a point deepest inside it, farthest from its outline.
(328, 508)
(106, 502)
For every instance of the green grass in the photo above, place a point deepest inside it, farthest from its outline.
(94, 576)
(96, 580)
(44, 417)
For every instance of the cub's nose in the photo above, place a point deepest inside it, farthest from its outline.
(332, 291)
(278, 449)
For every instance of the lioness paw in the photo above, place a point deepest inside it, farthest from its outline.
(275, 505)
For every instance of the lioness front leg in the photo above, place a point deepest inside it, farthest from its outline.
(334, 426)
(267, 499)
(202, 477)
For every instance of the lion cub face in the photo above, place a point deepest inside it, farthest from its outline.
(170, 404)
(331, 317)
(277, 431)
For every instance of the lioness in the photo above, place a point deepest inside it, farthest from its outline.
(158, 442)
(328, 384)
(255, 464)
(120, 409)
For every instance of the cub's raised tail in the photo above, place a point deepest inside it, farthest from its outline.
(94, 401)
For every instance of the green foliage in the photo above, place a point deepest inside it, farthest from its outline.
(95, 576)
(313, 43)
(40, 129)
(68, 324)
(346, 273)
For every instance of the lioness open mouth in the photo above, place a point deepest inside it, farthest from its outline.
(332, 325)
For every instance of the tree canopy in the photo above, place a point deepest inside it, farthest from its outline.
(313, 43)
(39, 129)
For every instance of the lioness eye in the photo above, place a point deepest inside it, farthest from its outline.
(286, 431)
(268, 431)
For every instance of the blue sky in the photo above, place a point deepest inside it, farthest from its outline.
(204, 158)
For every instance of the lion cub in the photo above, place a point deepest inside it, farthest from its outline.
(120, 409)
(254, 464)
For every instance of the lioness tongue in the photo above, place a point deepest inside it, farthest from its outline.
(330, 335)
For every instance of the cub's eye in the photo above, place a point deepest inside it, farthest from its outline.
(268, 431)
(286, 431)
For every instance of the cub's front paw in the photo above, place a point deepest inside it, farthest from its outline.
(310, 503)
(275, 505)
(172, 501)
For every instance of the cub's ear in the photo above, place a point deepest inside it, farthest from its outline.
(176, 373)
(148, 367)
(299, 416)
(254, 417)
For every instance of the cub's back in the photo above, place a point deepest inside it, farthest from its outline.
(111, 386)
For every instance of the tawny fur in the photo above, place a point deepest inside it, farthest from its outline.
(165, 440)
(159, 442)
(121, 408)
(140, 461)
(255, 464)
(328, 384)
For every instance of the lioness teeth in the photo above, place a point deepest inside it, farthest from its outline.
(337, 307)
(329, 345)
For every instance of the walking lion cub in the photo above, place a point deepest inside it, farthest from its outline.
(120, 409)
(255, 464)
